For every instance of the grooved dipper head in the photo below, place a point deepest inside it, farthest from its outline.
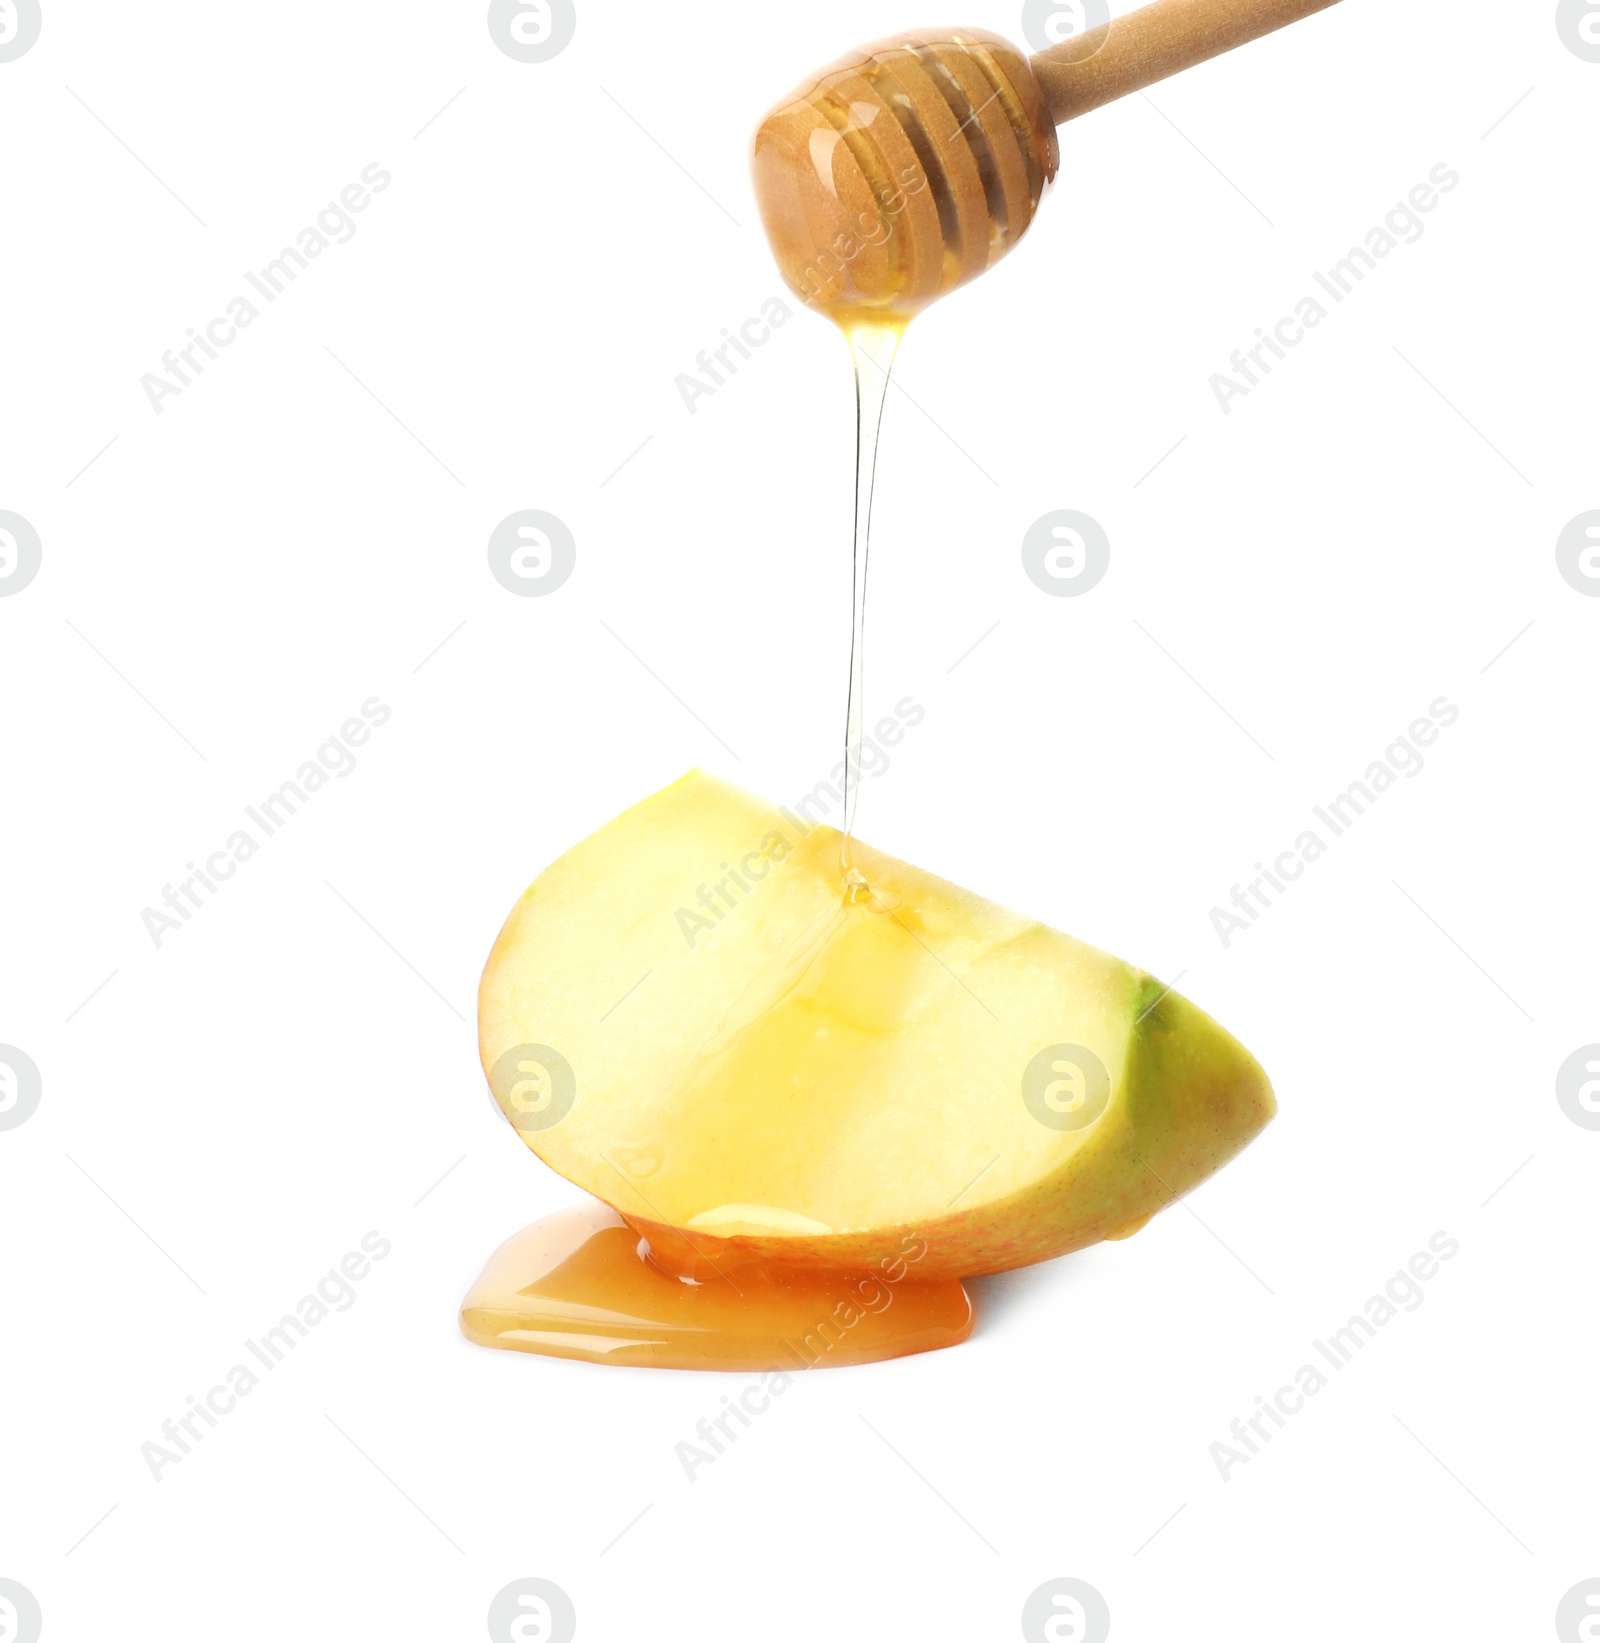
(903, 170)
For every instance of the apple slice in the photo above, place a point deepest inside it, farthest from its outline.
(688, 1017)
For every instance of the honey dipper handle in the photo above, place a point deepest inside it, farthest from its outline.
(1144, 46)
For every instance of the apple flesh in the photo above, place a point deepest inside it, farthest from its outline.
(690, 1017)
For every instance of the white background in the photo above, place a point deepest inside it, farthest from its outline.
(228, 581)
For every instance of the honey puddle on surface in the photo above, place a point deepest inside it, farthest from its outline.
(579, 1285)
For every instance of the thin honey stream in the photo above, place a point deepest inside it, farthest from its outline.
(873, 345)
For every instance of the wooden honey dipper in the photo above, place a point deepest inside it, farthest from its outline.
(913, 164)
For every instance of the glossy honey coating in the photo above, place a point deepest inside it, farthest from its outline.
(902, 171)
